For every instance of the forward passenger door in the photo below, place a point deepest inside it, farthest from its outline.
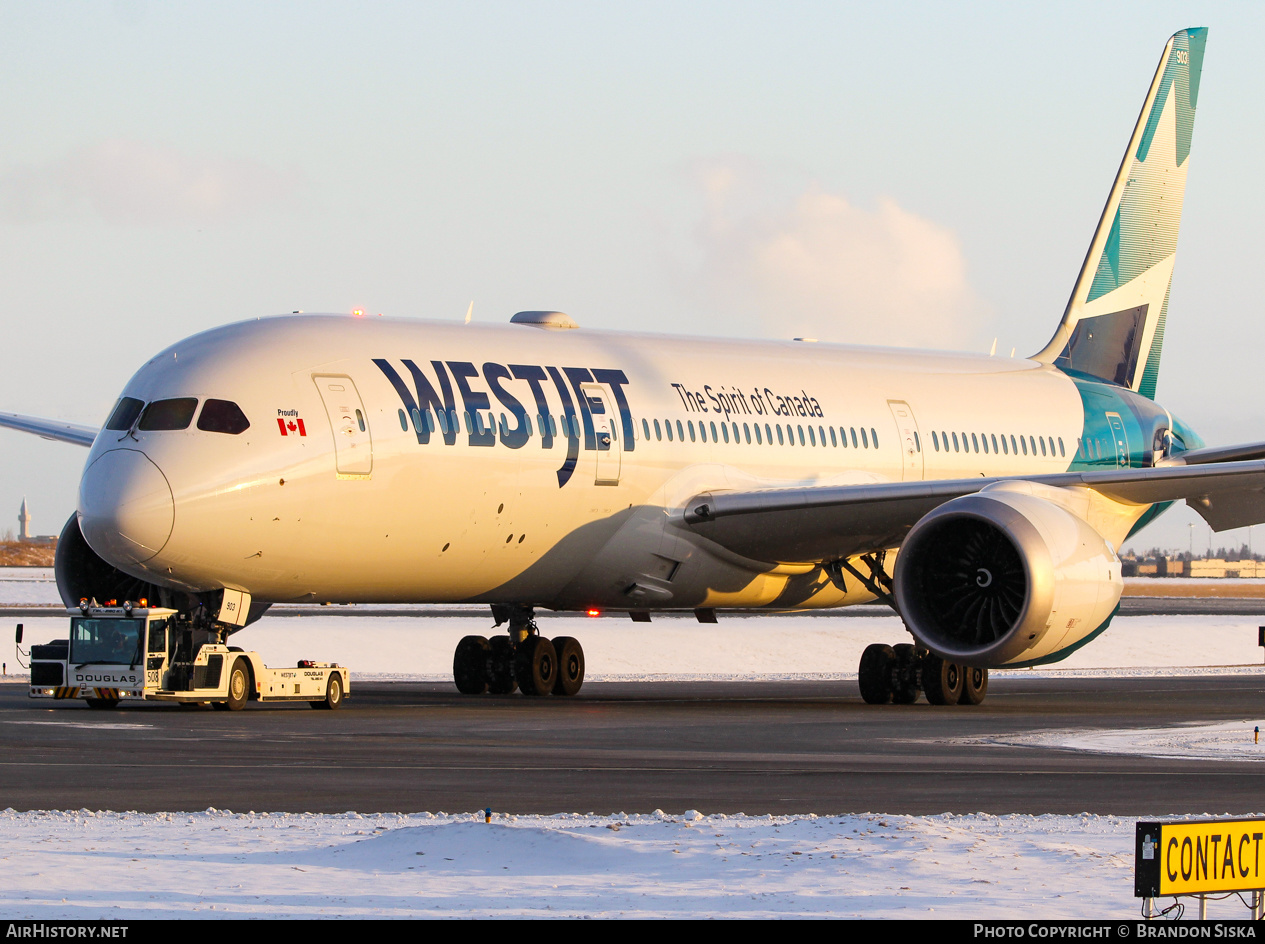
(353, 445)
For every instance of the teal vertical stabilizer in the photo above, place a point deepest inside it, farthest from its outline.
(1113, 327)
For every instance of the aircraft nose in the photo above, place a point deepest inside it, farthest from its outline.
(126, 510)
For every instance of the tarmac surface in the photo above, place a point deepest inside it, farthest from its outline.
(753, 747)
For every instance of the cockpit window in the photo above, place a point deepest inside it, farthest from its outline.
(176, 413)
(125, 413)
(223, 416)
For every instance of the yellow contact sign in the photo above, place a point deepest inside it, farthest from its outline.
(1195, 857)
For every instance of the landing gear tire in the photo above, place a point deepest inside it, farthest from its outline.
(333, 694)
(501, 666)
(905, 674)
(470, 665)
(101, 704)
(875, 674)
(974, 685)
(941, 681)
(535, 666)
(238, 687)
(570, 666)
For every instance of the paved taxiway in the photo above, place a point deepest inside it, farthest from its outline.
(757, 747)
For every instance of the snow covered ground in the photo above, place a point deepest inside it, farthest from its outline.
(91, 864)
(28, 586)
(1227, 741)
(219, 864)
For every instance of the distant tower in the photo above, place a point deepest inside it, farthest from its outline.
(24, 522)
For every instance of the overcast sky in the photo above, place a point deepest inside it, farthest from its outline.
(936, 170)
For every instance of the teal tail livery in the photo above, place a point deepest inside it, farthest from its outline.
(1113, 328)
(538, 464)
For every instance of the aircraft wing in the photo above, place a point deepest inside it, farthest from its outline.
(814, 523)
(51, 429)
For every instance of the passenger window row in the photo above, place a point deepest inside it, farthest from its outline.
(218, 416)
(788, 434)
(448, 421)
(970, 442)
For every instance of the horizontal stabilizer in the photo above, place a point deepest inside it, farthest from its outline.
(1211, 454)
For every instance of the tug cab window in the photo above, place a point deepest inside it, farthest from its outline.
(125, 413)
(105, 641)
(176, 413)
(225, 416)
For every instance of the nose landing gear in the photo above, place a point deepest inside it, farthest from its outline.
(522, 659)
(896, 674)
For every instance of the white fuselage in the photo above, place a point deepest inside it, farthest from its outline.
(326, 511)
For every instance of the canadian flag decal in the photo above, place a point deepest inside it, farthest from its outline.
(291, 426)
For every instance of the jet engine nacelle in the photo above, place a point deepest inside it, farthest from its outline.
(1007, 576)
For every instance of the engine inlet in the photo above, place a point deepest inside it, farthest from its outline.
(968, 583)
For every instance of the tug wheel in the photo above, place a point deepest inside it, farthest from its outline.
(333, 694)
(238, 687)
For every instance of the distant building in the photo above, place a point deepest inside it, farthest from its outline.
(1153, 567)
(24, 529)
(1225, 568)
(1175, 567)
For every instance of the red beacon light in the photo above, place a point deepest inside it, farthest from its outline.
(593, 611)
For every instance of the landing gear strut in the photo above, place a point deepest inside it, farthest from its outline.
(522, 659)
(896, 674)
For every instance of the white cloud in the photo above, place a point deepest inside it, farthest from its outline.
(818, 266)
(129, 182)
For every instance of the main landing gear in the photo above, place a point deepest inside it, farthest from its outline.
(896, 674)
(522, 659)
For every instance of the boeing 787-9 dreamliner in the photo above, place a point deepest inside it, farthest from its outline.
(540, 464)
